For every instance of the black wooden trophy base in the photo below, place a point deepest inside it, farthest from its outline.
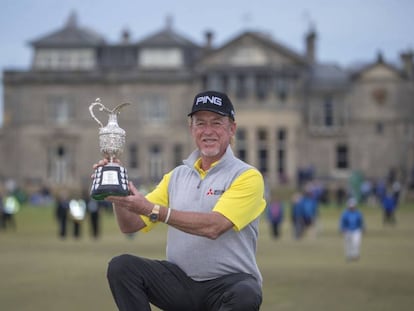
(109, 180)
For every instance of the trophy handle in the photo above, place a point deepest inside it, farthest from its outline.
(103, 108)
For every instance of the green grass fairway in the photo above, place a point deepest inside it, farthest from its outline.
(40, 272)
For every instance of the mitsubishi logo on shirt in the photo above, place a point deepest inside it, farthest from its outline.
(214, 192)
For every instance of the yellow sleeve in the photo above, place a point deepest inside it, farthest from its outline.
(158, 196)
(244, 200)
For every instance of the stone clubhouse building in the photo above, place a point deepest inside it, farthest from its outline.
(295, 113)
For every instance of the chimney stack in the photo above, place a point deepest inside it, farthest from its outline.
(209, 39)
(407, 61)
(125, 37)
(310, 46)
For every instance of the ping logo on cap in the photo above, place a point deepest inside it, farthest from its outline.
(209, 99)
(213, 101)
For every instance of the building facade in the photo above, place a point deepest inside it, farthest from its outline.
(294, 113)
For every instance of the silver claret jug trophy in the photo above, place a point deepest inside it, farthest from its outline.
(111, 179)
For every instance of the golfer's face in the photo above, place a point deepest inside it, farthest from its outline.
(212, 133)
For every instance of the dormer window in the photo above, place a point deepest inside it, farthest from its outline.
(64, 59)
(248, 56)
(161, 58)
(69, 48)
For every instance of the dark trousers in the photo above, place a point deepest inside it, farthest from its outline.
(389, 217)
(76, 229)
(8, 220)
(62, 226)
(94, 216)
(136, 282)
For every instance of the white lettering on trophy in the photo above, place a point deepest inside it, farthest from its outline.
(110, 178)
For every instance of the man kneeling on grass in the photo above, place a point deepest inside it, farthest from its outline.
(211, 205)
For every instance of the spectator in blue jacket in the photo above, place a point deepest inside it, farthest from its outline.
(297, 216)
(389, 205)
(275, 214)
(352, 226)
(310, 211)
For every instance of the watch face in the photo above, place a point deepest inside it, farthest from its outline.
(153, 217)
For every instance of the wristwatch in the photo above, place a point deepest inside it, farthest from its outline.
(155, 213)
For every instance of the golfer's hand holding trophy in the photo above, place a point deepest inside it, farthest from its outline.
(111, 179)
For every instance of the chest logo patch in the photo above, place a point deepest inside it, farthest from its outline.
(214, 192)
